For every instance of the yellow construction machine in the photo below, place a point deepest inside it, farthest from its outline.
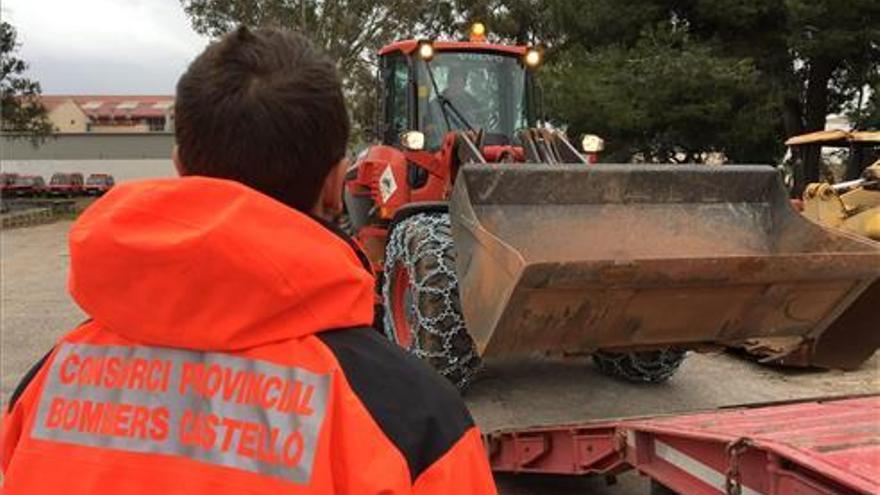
(851, 206)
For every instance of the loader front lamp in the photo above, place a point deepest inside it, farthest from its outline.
(532, 58)
(426, 50)
(413, 140)
(592, 143)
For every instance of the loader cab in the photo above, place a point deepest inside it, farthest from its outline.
(459, 86)
(860, 149)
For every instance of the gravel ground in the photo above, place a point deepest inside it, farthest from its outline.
(35, 310)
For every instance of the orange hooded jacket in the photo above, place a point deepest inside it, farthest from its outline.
(229, 351)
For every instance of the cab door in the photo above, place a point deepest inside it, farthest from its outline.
(396, 106)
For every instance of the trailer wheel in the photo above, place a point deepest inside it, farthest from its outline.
(649, 366)
(420, 295)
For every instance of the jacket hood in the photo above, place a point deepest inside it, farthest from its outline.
(210, 264)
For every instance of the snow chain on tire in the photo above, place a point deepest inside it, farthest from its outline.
(422, 245)
(645, 367)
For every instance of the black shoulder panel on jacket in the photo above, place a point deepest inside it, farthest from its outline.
(419, 410)
(27, 379)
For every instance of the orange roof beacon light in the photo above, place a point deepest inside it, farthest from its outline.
(478, 32)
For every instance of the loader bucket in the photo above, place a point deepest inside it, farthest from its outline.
(846, 344)
(576, 258)
(854, 337)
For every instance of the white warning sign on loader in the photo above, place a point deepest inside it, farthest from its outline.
(387, 184)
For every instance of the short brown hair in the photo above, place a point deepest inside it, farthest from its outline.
(265, 108)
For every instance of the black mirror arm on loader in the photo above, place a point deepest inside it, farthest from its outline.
(567, 152)
(444, 102)
(548, 146)
(466, 150)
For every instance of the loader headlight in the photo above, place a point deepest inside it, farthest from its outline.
(592, 143)
(413, 140)
(426, 50)
(532, 58)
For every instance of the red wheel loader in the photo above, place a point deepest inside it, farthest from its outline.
(495, 236)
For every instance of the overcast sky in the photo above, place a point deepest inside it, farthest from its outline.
(103, 46)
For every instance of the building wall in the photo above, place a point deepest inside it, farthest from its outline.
(121, 170)
(91, 146)
(120, 129)
(67, 117)
(125, 156)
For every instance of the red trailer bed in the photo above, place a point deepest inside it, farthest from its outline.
(806, 448)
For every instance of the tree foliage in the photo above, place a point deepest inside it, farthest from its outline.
(864, 111)
(351, 31)
(345, 28)
(663, 80)
(666, 98)
(23, 116)
(736, 76)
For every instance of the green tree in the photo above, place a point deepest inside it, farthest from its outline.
(815, 56)
(696, 76)
(864, 111)
(23, 115)
(870, 116)
(351, 31)
(635, 73)
(667, 98)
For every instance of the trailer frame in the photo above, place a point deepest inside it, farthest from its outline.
(826, 446)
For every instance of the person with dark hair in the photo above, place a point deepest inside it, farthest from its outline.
(457, 93)
(229, 347)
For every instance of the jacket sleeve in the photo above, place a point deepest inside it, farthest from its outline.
(463, 470)
(15, 413)
(418, 416)
(12, 425)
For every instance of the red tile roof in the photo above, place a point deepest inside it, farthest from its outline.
(114, 106)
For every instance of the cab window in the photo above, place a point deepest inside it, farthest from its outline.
(395, 76)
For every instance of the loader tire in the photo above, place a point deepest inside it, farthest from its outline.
(642, 367)
(420, 295)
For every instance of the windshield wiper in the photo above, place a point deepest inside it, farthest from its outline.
(446, 103)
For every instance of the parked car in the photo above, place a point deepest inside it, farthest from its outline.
(26, 186)
(98, 184)
(65, 184)
(6, 180)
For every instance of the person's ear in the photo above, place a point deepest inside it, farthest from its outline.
(329, 203)
(175, 158)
